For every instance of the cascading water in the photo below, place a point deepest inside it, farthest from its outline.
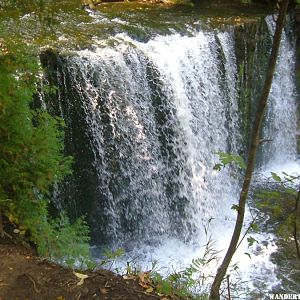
(144, 122)
(281, 117)
(156, 113)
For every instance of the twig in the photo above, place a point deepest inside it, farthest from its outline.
(69, 282)
(295, 223)
(246, 232)
(9, 236)
(78, 296)
(285, 181)
(1, 225)
(34, 284)
(228, 287)
(264, 141)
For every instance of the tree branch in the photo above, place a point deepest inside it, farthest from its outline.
(295, 223)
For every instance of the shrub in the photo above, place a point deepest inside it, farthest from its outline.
(31, 158)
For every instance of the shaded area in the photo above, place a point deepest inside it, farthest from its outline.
(26, 276)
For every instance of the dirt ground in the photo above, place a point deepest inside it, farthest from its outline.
(24, 276)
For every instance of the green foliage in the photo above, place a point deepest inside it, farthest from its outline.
(235, 207)
(191, 282)
(279, 202)
(254, 227)
(276, 177)
(32, 160)
(63, 240)
(251, 240)
(227, 158)
(110, 259)
(112, 255)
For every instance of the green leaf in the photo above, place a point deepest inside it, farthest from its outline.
(248, 254)
(235, 207)
(91, 264)
(227, 158)
(217, 167)
(254, 227)
(251, 240)
(112, 255)
(276, 177)
(165, 288)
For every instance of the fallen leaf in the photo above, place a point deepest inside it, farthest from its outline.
(142, 277)
(145, 277)
(144, 285)
(82, 277)
(80, 282)
(103, 290)
(149, 290)
(126, 277)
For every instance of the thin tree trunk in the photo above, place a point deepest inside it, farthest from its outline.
(254, 142)
(1, 226)
(295, 224)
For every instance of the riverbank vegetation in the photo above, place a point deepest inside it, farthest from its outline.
(32, 160)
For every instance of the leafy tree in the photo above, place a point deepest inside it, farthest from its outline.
(31, 158)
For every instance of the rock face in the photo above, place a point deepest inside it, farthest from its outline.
(77, 193)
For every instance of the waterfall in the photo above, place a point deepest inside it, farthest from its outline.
(144, 121)
(152, 116)
(280, 152)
